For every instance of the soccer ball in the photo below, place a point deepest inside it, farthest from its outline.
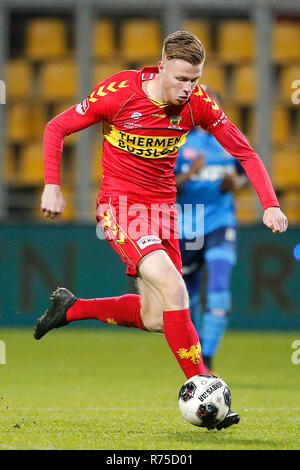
(204, 400)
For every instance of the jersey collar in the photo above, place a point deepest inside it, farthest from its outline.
(147, 73)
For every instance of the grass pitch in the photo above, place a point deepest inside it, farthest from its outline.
(113, 388)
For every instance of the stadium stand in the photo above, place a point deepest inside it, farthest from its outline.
(286, 41)
(104, 39)
(18, 89)
(202, 30)
(245, 201)
(236, 41)
(290, 203)
(58, 80)
(8, 166)
(25, 121)
(214, 76)
(286, 167)
(233, 113)
(289, 74)
(140, 39)
(31, 171)
(279, 125)
(102, 70)
(244, 87)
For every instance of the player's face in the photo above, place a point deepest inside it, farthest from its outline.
(178, 79)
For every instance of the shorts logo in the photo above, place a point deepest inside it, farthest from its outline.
(148, 240)
(193, 353)
(82, 108)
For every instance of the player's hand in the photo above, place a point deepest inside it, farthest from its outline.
(232, 182)
(275, 220)
(53, 202)
(227, 183)
(196, 165)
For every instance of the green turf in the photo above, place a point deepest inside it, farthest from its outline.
(117, 389)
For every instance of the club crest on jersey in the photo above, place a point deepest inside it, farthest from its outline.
(82, 108)
(175, 122)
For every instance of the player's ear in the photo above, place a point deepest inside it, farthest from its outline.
(161, 66)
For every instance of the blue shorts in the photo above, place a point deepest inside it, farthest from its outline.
(219, 244)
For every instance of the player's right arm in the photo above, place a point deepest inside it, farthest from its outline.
(78, 117)
(197, 164)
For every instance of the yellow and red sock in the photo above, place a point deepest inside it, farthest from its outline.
(123, 311)
(183, 340)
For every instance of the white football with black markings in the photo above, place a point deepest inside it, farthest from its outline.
(204, 400)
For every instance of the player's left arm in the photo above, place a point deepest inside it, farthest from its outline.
(236, 144)
(212, 118)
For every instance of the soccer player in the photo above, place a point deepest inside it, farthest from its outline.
(146, 116)
(207, 174)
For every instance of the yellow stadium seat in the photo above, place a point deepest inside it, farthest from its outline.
(18, 79)
(103, 70)
(244, 86)
(140, 39)
(25, 121)
(201, 30)
(245, 201)
(279, 125)
(213, 76)
(31, 171)
(58, 80)
(236, 41)
(233, 113)
(8, 166)
(70, 209)
(286, 41)
(286, 167)
(289, 84)
(104, 39)
(45, 38)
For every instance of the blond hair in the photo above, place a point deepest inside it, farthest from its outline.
(185, 46)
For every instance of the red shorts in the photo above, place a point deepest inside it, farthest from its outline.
(134, 229)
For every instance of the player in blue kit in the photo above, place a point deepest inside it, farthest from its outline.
(206, 174)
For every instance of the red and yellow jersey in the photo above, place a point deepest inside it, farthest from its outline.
(142, 136)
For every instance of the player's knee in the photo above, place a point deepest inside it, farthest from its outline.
(153, 321)
(174, 293)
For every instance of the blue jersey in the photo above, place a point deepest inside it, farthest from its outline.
(204, 186)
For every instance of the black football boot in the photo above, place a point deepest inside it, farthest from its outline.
(55, 316)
